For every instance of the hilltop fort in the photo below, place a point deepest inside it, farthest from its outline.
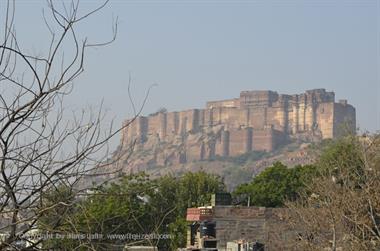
(255, 121)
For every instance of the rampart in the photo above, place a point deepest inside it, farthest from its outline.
(256, 121)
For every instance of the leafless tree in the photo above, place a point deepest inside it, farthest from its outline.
(41, 148)
(340, 210)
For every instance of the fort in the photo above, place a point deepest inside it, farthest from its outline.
(255, 121)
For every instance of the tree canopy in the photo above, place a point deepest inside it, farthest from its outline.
(340, 192)
(273, 186)
(137, 204)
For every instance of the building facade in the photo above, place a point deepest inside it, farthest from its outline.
(256, 121)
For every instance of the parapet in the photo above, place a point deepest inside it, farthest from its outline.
(252, 99)
(321, 95)
(223, 103)
(343, 102)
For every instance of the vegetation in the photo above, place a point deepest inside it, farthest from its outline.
(340, 208)
(333, 203)
(136, 204)
(275, 185)
(340, 192)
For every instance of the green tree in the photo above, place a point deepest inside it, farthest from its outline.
(136, 204)
(274, 185)
(196, 189)
(141, 205)
(178, 231)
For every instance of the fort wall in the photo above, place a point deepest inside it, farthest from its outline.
(256, 121)
(344, 119)
(223, 103)
(240, 141)
(222, 146)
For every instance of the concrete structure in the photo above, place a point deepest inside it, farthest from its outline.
(256, 121)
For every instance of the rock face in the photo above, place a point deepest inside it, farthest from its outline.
(256, 121)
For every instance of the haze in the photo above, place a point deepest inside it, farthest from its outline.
(197, 51)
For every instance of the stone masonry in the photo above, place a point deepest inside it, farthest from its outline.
(256, 121)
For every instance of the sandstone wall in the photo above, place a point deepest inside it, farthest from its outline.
(257, 120)
(344, 119)
(223, 103)
(172, 123)
(325, 119)
(222, 147)
(263, 140)
(135, 131)
(240, 141)
(253, 99)
(154, 125)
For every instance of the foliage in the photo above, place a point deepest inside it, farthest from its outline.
(140, 205)
(57, 204)
(343, 157)
(195, 189)
(274, 185)
(178, 230)
(333, 203)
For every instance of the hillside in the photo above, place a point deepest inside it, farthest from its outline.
(235, 138)
(235, 170)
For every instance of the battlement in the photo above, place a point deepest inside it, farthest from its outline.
(255, 121)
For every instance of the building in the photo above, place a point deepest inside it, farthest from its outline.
(256, 121)
(231, 228)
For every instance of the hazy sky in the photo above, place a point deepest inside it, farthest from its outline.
(197, 51)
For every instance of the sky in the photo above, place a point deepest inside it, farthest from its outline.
(194, 51)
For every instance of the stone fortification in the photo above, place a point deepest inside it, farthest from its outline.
(256, 121)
